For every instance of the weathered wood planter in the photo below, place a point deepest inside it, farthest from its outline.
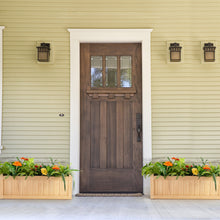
(189, 187)
(37, 187)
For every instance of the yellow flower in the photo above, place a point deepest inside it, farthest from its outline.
(44, 171)
(195, 171)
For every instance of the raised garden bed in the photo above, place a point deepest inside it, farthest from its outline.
(188, 187)
(37, 187)
(174, 179)
(24, 179)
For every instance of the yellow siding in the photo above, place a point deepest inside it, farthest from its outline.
(185, 96)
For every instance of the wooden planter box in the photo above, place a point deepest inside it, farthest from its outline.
(189, 187)
(37, 187)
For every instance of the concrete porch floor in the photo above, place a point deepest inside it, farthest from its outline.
(101, 208)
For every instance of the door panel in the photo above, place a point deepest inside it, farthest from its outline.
(110, 89)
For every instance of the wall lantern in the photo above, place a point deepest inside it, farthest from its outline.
(175, 52)
(209, 52)
(43, 52)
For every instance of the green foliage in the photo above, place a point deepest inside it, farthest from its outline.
(177, 167)
(26, 167)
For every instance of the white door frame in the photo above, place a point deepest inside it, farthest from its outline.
(78, 36)
(1, 74)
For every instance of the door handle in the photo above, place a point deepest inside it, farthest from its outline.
(139, 126)
(139, 134)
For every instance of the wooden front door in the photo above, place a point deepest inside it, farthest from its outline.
(111, 124)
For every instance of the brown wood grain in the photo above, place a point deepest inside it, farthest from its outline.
(128, 144)
(84, 118)
(120, 136)
(110, 156)
(95, 134)
(103, 134)
(111, 135)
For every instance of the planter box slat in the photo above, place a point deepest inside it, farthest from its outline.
(37, 187)
(1, 187)
(190, 187)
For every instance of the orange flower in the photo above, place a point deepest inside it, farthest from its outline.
(17, 164)
(168, 164)
(55, 167)
(23, 158)
(206, 167)
(174, 158)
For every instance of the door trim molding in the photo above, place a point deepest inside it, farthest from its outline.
(1, 75)
(78, 36)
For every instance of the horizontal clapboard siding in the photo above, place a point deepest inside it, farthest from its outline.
(185, 96)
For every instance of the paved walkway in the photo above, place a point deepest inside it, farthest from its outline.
(101, 208)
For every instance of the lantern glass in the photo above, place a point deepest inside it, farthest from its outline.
(210, 56)
(175, 56)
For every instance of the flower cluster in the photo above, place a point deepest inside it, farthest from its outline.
(26, 167)
(168, 164)
(17, 164)
(37, 169)
(24, 158)
(206, 167)
(175, 158)
(177, 167)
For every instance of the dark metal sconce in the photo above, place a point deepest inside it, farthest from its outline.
(43, 52)
(209, 52)
(175, 52)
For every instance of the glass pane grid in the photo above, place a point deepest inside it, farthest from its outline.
(117, 71)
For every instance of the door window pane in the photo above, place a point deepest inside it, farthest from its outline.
(96, 71)
(111, 71)
(125, 70)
